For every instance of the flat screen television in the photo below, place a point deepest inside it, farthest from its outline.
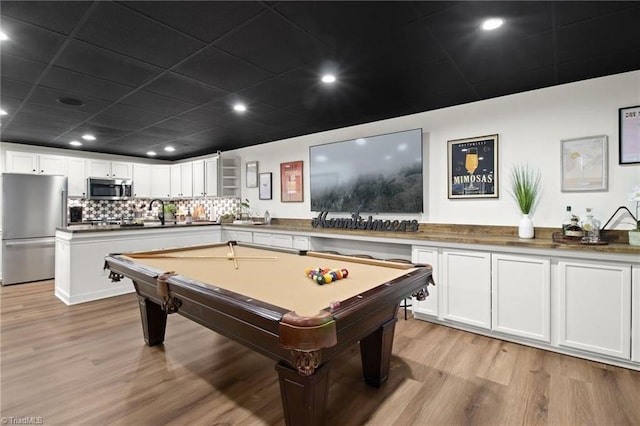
(375, 174)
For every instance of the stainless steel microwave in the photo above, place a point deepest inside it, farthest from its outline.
(109, 189)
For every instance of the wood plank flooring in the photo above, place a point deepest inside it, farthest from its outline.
(88, 365)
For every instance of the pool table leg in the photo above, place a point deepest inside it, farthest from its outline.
(154, 321)
(375, 351)
(304, 398)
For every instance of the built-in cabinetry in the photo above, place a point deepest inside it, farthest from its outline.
(267, 238)
(594, 307)
(111, 169)
(228, 176)
(160, 181)
(635, 314)
(141, 180)
(77, 177)
(211, 177)
(40, 164)
(199, 176)
(181, 180)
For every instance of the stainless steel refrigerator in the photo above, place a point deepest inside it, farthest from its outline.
(33, 207)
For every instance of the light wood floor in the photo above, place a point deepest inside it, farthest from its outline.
(88, 365)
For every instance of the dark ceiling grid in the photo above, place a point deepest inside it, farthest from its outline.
(392, 59)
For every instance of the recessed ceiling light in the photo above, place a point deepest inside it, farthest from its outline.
(75, 143)
(70, 101)
(240, 107)
(88, 137)
(492, 24)
(151, 153)
(169, 148)
(328, 78)
(3, 112)
(3, 36)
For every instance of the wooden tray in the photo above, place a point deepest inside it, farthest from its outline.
(557, 237)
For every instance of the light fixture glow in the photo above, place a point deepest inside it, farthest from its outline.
(75, 143)
(3, 36)
(492, 24)
(151, 153)
(3, 112)
(240, 107)
(328, 78)
(169, 148)
(88, 137)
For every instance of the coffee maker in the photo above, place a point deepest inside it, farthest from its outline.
(75, 214)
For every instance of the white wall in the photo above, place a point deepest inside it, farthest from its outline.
(530, 126)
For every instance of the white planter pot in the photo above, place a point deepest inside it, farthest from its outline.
(525, 229)
(634, 238)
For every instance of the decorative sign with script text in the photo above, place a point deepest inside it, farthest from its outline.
(357, 222)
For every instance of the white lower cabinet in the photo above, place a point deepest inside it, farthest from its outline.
(237, 235)
(262, 238)
(521, 296)
(467, 287)
(281, 240)
(429, 306)
(635, 309)
(594, 307)
(300, 242)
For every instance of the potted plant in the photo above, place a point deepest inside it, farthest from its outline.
(634, 234)
(170, 212)
(525, 190)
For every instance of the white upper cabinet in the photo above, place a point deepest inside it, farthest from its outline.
(111, 169)
(39, 164)
(141, 180)
(160, 181)
(181, 180)
(77, 177)
(211, 177)
(199, 178)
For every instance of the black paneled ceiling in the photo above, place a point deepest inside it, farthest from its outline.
(152, 74)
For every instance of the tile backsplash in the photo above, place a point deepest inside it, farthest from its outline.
(93, 210)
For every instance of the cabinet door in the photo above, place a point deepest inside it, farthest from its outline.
(77, 177)
(176, 181)
(121, 170)
(160, 181)
(52, 165)
(521, 296)
(594, 307)
(466, 282)
(262, 238)
(141, 180)
(635, 309)
(300, 242)
(99, 168)
(429, 306)
(186, 178)
(279, 240)
(211, 177)
(198, 178)
(21, 162)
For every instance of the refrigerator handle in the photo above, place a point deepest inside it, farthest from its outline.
(63, 212)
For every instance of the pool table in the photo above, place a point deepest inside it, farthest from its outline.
(262, 298)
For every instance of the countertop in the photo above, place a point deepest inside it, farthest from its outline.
(115, 228)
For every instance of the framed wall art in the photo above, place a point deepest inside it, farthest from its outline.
(264, 191)
(251, 175)
(473, 167)
(629, 129)
(584, 164)
(291, 182)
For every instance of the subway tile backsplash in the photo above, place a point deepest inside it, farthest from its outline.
(93, 210)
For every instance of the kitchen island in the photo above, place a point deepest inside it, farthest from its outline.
(81, 249)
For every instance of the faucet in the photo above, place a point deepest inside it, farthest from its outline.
(161, 214)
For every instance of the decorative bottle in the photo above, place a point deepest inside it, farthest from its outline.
(566, 221)
(591, 228)
(267, 218)
(189, 218)
(574, 232)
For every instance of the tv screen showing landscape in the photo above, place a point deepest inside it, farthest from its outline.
(375, 174)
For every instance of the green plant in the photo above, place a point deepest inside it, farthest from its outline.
(243, 209)
(170, 209)
(525, 187)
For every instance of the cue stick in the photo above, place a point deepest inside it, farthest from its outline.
(170, 256)
(233, 254)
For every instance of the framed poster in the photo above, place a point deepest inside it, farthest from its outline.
(251, 175)
(265, 193)
(584, 164)
(473, 167)
(291, 182)
(629, 129)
